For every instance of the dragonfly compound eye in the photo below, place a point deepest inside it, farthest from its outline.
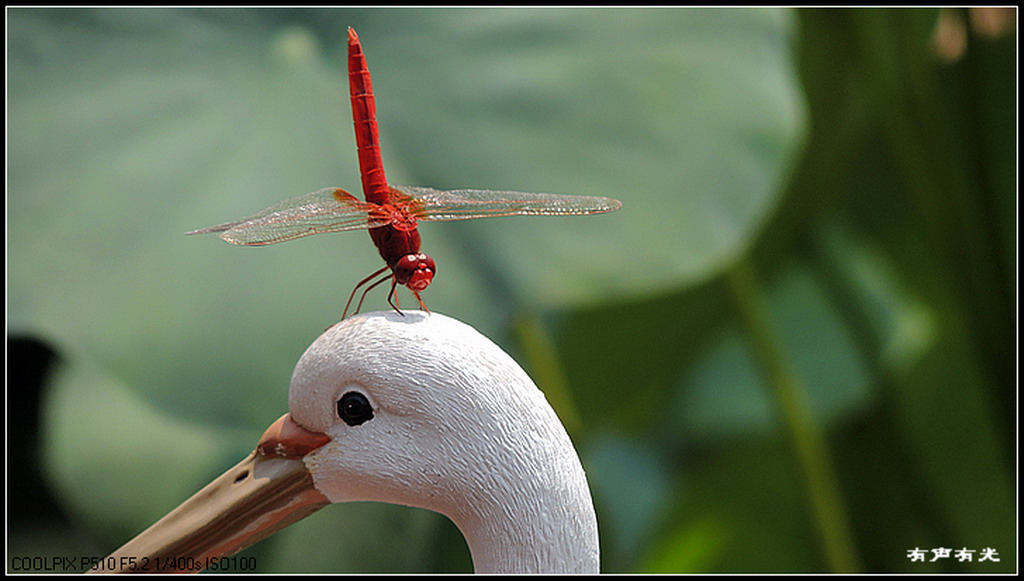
(415, 271)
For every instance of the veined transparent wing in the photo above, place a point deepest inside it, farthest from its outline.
(431, 204)
(326, 210)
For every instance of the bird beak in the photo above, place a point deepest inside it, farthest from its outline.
(263, 494)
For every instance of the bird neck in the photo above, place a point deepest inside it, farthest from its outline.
(534, 515)
(525, 542)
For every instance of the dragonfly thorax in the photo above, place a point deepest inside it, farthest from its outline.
(415, 271)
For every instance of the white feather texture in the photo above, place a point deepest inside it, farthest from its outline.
(458, 428)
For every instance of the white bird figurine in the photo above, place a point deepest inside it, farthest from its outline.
(418, 410)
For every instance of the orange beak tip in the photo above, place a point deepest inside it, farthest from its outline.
(287, 439)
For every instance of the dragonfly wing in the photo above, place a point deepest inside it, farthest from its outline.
(326, 210)
(431, 204)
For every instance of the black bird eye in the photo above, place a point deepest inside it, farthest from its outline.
(354, 408)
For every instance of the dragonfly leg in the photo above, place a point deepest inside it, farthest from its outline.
(368, 289)
(361, 283)
(420, 299)
(393, 298)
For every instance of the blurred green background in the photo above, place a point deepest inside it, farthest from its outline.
(792, 350)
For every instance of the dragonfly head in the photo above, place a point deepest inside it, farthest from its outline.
(415, 271)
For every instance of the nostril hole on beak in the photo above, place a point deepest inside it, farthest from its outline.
(242, 476)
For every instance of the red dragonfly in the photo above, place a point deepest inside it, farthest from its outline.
(389, 212)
